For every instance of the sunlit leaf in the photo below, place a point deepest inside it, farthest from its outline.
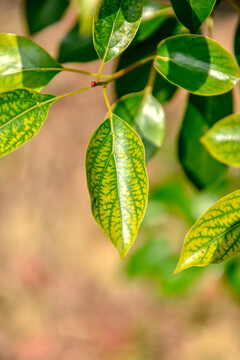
(22, 113)
(115, 25)
(201, 113)
(136, 80)
(42, 13)
(197, 64)
(146, 115)
(223, 140)
(192, 13)
(24, 64)
(216, 235)
(117, 181)
(155, 260)
(76, 48)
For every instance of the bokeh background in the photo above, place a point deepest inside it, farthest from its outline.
(64, 292)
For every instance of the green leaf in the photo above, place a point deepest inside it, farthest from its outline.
(42, 13)
(22, 113)
(175, 197)
(192, 13)
(115, 25)
(197, 64)
(136, 80)
(156, 260)
(216, 235)
(146, 115)
(237, 43)
(201, 113)
(222, 141)
(76, 48)
(117, 181)
(24, 64)
(153, 16)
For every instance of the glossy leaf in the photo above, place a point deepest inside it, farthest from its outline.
(136, 80)
(153, 16)
(115, 25)
(155, 260)
(22, 113)
(117, 181)
(76, 48)
(42, 13)
(27, 65)
(197, 64)
(146, 115)
(201, 113)
(216, 235)
(237, 43)
(192, 13)
(223, 140)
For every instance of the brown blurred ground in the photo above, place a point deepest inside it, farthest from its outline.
(63, 292)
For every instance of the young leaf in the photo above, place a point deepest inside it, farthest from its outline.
(201, 113)
(27, 65)
(192, 13)
(76, 48)
(146, 115)
(216, 235)
(197, 64)
(22, 113)
(222, 141)
(115, 25)
(42, 13)
(117, 181)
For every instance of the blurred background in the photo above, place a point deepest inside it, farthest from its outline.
(64, 292)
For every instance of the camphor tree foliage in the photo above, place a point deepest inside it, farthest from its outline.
(159, 48)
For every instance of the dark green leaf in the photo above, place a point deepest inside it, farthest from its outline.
(192, 13)
(146, 115)
(117, 181)
(22, 113)
(197, 64)
(42, 13)
(115, 25)
(237, 44)
(223, 140)
(136, 80)
(76, 48)
(201, 114)
(156, 260)
(27, 64)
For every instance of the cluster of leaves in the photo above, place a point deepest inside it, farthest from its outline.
(158, 51)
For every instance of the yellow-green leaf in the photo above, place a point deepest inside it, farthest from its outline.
(222, 141)
(22, 113)
(117, 181)
(24, 64)
(216, 235)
